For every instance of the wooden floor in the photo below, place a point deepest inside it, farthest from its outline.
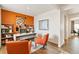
(3, 50)
(50, 49)
(70, 47)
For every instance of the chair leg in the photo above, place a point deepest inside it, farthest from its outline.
(44, 46)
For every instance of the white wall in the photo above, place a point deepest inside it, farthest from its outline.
(54, 25)
(76, 21)
(65, 26)
(61, 40)
(68, 27)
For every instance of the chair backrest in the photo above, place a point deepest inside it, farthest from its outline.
(46, 37)
(18, 47)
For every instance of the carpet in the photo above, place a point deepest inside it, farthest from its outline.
(35, 48)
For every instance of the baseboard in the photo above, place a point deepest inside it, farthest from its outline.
(54, 44)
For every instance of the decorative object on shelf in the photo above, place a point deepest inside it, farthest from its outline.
(20, 23)
(10, 29)
(20, 20)
(44, 24)
(17, 29)
(6, 28)
(6, 32)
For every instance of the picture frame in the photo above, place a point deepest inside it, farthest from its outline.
(44, 24)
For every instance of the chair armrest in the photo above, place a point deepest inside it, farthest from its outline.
(30, 45)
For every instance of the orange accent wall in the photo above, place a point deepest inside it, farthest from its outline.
(9, 17)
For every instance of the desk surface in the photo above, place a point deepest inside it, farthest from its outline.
(24, 35)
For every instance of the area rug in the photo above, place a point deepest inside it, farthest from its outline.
(35, 48)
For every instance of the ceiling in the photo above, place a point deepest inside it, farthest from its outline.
(72, 8)
(31, 9)
(36, 9)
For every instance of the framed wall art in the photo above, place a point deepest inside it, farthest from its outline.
(44, 24)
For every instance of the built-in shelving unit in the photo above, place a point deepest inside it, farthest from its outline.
(6, 32)
(0, 26)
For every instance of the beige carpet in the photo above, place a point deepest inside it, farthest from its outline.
(35, 48)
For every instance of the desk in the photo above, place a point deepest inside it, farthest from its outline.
(23, 36)
(6, 36)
